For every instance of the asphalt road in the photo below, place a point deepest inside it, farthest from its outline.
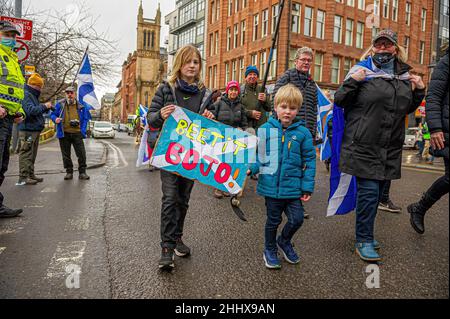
(107, 231)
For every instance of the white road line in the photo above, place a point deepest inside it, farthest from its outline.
(80, 223)
(118, 157)
(49, 190)
(66, 254)
(2, 249)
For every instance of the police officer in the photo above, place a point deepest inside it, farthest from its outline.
(11, 96)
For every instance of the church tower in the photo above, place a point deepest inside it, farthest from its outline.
(148, 63)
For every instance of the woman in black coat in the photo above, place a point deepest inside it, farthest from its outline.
(185, 89)
(437, 119)
(376, 96)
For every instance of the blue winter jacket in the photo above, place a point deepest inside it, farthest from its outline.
(83, 112)
(286, 161)
(34, 111)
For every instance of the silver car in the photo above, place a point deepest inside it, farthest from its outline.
(411, 138)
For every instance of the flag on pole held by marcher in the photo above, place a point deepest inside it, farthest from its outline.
(324, 114)
(342, 186)
(86, 91)
(144, 151)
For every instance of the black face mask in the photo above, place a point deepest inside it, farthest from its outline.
(383, 58)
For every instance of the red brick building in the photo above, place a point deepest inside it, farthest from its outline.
(239, 33)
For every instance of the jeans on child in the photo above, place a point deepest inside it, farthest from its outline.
(293, 208)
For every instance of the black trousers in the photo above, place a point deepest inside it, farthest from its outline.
(441, 186)
(175, 204)
(6, 125)
(65, 144)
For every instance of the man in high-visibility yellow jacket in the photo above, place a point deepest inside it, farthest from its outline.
(11, 97)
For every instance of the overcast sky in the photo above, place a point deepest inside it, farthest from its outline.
(118, 17)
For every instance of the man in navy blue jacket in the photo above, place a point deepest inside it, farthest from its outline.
(30, 130)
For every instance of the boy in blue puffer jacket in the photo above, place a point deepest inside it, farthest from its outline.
(287, 166)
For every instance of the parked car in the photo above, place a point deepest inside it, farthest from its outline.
(89, 129)
(103, 130)
(115, 127)
(122, 128)
(411, 138)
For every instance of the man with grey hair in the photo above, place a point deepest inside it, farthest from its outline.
(300, 77)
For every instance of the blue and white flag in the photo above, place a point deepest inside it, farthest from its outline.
(324, 114)
(142, 113)
(343, 190)
(144, 149)
(86, 91)
(342, 186)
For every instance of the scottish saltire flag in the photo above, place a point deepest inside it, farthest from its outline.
(141, 112)
(201, 149)
(86, 92)
(144, 152)
(324, 114)
(342, 186)
(343, 192)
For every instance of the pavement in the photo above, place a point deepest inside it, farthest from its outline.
(411, 160)
(100, 239)
(49, 159)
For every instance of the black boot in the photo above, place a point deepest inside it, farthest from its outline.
(418, 211)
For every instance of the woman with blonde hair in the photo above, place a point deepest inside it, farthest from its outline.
(184, 88)
(376, 96)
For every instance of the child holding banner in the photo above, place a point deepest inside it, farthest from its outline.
(184, 88)
(287, 167)
(230, 111)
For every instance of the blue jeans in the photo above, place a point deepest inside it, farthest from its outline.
(294, 211)
(369, 196)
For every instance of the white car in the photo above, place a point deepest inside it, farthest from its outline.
(103, 130)
(411, 138)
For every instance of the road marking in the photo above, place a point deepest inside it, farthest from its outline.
(50, 149)
(78, 224)
(36, 206)
(2, 249)
(66, 254)
(118, 156)
(49, 190)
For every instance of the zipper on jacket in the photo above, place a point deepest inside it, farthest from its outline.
(281, 163)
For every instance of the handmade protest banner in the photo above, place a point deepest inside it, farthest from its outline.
(205, 150)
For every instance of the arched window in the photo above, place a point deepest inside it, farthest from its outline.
(146, 99)
(153, 39)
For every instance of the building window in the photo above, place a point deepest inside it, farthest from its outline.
(362, 4)
(349, 32)
(211, 44)
(296, 18)
(360, 35)
(241, 70)
(228, 39)
(244, 4)
(216, 46)
(215, 77)
(307, 30)
(351, 3)
(424, 19)
(212, 13)
(347, 65)
(230, 7)
(217, 10)
(254, 58)
(201, 28)
(422, 52)
(376, 7)
(200, 5)
(273, 65)
(210, 75)
(320, 27)
(242, 32)
(263, 60)
(408, 13)
(337, 35)
(394, 10)
(145, 39)
(236, 5)
(265, 22)
(318, 63)
(406, 45)
(386, 9)
(335, 69)
(234, 70)
(227, 73)
(236, 35)
(275, 11)
(255, 26)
